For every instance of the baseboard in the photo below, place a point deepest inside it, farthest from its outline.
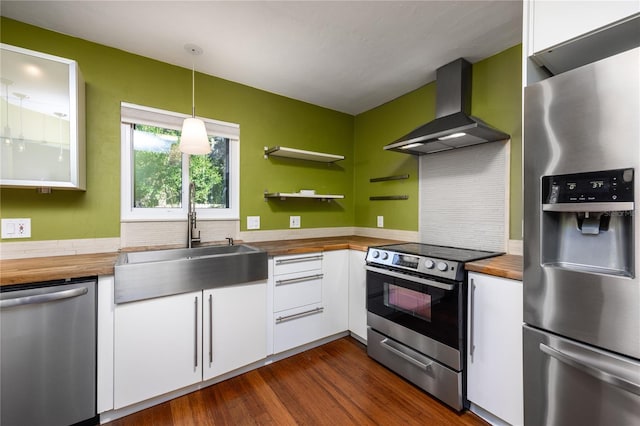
(487, 416)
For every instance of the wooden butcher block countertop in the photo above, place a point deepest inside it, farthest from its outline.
(309, 245)
(36, 269)
(505, 266)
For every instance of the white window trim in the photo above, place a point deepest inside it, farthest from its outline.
(156, 117)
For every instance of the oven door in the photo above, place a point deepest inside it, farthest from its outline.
(430, 308)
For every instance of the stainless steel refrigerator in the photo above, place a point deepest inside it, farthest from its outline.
(582, 246)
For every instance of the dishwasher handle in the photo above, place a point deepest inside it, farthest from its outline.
(43, 298)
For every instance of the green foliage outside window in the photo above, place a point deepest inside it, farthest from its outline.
(158, 170)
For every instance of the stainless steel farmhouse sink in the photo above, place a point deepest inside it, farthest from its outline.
(154, 273)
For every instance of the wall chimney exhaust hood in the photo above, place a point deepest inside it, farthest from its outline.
(453, 127)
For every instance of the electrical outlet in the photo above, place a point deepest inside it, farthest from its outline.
(253, 222)
(294, 221)
(16, 228)
(380, 221)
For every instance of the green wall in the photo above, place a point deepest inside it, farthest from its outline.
(496, 98)
(265, 119)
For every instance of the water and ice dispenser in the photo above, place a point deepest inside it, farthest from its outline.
(587, 222)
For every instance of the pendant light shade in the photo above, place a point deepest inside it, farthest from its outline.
(194, 138)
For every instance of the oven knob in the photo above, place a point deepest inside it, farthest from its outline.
(385, 255)
(442, 266)
(376, 254)
(429, 264)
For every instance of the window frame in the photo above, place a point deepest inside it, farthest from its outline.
(137, 114)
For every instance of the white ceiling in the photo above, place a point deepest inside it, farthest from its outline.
(349, 56)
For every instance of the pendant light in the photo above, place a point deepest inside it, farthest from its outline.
(6, 131)
(194, 138)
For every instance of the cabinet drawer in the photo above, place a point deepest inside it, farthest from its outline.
(299, 289)
(298, 326)
(297, 263)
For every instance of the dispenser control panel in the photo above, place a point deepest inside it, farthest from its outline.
(590, 187)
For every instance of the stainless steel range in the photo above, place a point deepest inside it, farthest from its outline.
(416, 314)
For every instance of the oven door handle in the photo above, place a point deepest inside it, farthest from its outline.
(403, 355)
(411, 278)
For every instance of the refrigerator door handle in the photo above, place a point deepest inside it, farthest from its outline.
(586, 367)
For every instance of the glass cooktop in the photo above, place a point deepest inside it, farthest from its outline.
(440, 252)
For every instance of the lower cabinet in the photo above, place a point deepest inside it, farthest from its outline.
(167, 343)
(234, 328)
(494, 356)
(157, 347)
(335, 291)
(358, 294)
(310, 298)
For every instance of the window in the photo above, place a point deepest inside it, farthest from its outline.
(156, 175)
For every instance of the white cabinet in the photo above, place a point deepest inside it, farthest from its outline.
(358, 294)
(311, 298)
(157, 347)
(167, 343)
(297, 300)
(234, 328)
(494, 360)
(42, 121)
(555, 22)
(335, 291)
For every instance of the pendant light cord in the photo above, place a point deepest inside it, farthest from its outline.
(193, 89)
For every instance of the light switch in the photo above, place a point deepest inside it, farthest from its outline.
(294, 221)
(16, 228)
(380, 221)
(253, 222)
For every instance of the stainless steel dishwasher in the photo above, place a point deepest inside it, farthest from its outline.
(48, 353)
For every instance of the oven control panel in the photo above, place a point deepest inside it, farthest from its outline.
(419, 264)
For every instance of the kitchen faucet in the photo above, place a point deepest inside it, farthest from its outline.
(191, 218)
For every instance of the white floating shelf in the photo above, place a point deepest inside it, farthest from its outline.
(285, 195)
(300, 154)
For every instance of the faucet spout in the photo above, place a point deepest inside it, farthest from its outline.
(192, 223)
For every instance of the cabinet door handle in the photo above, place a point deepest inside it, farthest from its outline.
(210, 328)
(418, 280)
(299, 315)
(298, 259)
(299, 279)
(195, 335)
(472, 345)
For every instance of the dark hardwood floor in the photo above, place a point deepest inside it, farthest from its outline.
(335, 384)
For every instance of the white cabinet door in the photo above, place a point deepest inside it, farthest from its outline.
(234, 327)
(494, 360)
(157, 347)
(335, 291)
(357, 294)
(556, 22)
